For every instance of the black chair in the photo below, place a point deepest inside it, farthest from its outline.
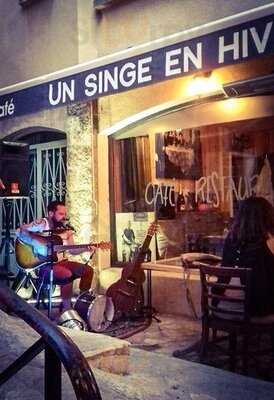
(37, 272)
(225, 307)
(42, 288)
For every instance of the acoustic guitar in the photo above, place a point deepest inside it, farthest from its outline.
(127, 292)
(27, 256)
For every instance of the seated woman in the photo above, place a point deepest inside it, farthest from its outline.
(250, 244)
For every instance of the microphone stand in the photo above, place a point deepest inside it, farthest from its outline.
(51, 262)
(51, 248)
(6, 241)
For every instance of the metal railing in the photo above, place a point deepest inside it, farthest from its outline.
(59, 350)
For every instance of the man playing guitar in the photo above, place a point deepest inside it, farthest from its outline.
(64, 271)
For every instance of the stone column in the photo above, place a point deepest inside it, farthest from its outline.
(81, 172)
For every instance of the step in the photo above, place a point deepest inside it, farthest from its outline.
(102, 351)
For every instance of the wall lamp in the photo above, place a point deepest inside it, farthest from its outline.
(203, 83)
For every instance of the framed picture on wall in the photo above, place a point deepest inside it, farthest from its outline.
(131, 230)
(178, 154)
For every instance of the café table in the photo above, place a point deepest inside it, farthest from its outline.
(164, 265)
(186, 265)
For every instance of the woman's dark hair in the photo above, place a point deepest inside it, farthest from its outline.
(254, 221)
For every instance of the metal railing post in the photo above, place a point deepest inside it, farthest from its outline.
(53, 375)
(59, 350)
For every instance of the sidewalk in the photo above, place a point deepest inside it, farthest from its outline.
(152, 374)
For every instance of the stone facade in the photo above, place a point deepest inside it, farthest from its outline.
(81, 172)
(72, 32)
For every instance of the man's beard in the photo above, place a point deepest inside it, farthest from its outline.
(57, 224)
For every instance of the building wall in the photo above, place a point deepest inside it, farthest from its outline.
(140, 21)
(36, 40)
(44, 120)
(55, 34)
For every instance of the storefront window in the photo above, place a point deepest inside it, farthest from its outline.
(132, 166)
(197, 175)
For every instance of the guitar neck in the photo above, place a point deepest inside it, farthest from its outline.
(82, 247)
(142, 252)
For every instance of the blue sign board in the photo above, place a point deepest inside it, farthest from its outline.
(228, 46)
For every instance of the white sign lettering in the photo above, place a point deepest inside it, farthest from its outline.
(215, 189)
(206, 52)
(159, 194)
(241, 40)
(212, 189)
(7, 108)
(172, 60)
(128, 75)
(63, 93)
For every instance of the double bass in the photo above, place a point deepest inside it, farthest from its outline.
(127, 292)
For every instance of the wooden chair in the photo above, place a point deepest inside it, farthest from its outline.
(189, 261)
(225, 307)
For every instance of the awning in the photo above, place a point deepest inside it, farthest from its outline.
(231, 40)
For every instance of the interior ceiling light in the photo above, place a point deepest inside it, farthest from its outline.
(203, 83)
(230, 105)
